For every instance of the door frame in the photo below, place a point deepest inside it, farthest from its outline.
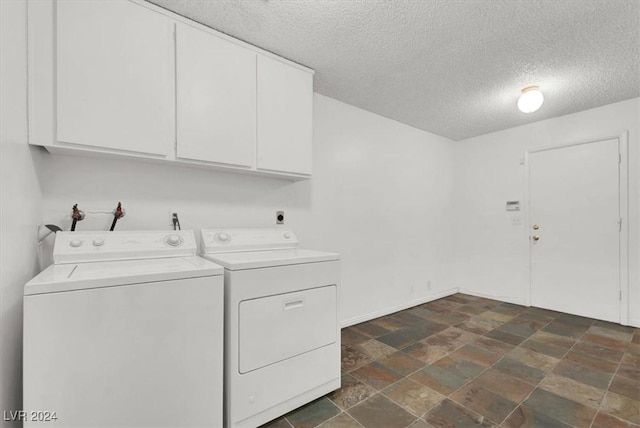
(623, 207)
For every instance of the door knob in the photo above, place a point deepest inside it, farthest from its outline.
(536, 227)
(536, 237)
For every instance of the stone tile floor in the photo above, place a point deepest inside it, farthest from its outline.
(465, 361)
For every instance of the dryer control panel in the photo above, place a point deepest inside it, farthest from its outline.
(233, 240)
(77, 247)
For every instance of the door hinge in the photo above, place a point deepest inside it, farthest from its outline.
(620, 295)
(620, 224)
(619, 157)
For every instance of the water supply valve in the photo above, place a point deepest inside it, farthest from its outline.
(77, 216)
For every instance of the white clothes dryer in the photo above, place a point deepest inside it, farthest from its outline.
(282, 335)
(125, 329)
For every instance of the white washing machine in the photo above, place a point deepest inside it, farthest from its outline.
(125, 329)
(282, 336)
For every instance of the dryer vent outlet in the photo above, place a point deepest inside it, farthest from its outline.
(279, 217)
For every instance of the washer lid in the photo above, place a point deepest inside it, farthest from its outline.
(272, 258)
(82, 276)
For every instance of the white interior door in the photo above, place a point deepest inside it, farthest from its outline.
(575, 250)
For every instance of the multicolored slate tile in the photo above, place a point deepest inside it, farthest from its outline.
(343, 420)
(447, 375)
(375, 349)
(484, 402)
(313, 414)
(452, 415)
(370, 329)
(502, 384)
(351, 392)
(579, 373)
(506, 337)
(379, 411)
(352, 358)
(476, 354)
(560, 408)
(604, 420)
(519, 370)
(402, 363)
(426, 353)
(464, 361)
(413, 396)
(376, 375)
(526, 417)
(573, 390)
(533, 359)
(622, 407)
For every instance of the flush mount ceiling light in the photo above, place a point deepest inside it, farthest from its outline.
(530, 100)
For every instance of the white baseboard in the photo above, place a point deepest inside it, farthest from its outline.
(392, 309)
(506, 299)
(440, 295)
(634, 323)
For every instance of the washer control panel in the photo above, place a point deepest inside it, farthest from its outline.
(231, 240)
(74, 247)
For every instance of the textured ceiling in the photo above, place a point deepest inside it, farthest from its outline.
(451, 67)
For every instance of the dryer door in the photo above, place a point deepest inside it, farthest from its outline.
(278, 327)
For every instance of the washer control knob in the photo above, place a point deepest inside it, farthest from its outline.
(287, 235)
(75, 243)
(173, 240)
(223, 237)
(98, 242)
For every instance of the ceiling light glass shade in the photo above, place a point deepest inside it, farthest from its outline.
(530, 100)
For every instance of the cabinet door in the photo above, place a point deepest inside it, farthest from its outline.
(115, 79)
(216, 98)
(285, 110)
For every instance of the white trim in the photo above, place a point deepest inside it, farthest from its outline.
(634, 323)
(527, 224)
(623, 204)
(400, 307)
(506, 299)
(574, 143)
(623, 186)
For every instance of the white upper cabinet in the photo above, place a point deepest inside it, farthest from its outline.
(216, 98)
(128, 78)
(115, 77)
(285, 117)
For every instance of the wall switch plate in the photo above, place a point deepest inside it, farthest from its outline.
(279, 217)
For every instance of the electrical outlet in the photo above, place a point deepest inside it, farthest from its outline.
(516, 220)
(428, 285)
(412, 290)
(279, 217)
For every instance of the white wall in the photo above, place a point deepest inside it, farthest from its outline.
(377, 197)
(20, 199)
(491, 254)
(402, 206)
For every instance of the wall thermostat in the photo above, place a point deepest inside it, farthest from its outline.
(513, 206)
(279, 217)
